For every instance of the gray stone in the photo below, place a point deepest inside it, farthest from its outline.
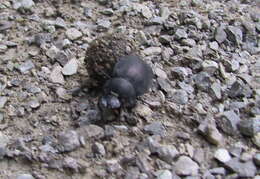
(3, 48)
(202, 81)
(162, 164)
(192, 177)
(195, 54)
(34, 103)
(165, 12)
(98, 149)
(163, 174)
(232, 65)
(207, 175)
(155, 128)
(91, 131)
(232, 176)
(88, 12)
(10, 44)
(246, 157)
(188, 42)
(246, 77)
(143, 163)
(218, 171)
(23, 4)
(3, 152)
(68, 141)
(211, 133)
(190, 149)
(5, 25)
(222, 155)
(152, 143)
(73, 165)
(165, 85)
(152, 51)
(108, 12)
(143, 111)
(56, 75)
(220, 34)
(257, 159)
(113, 166)
(141, 38)
(132, 173)
(209, 66)
(196, 21)
(185, 167)
(3, 100)
(146, 12)
(66, 43)
(235, 151)
(49, 28)
(256, 139)
(249, 127)
(42, 38)
(188, 88)
(121, 128)
(61, 57)
(109, 131)
(180, 34)
(246, 169)
(213, 45)
(24, 176)
(73, 34)
(62, 93)
(228, 122)
(20, 111)
(160, 73)
(1, 116)
(26, 66)
(199, 155)
(143, 176)
(197, 3)
(251, 48)
(33, 89)
(157, 20)
(59, 22)
(179, 73)
(180, 97)
(103, 24)
(237, 105)
(4, 140)
(165, 39)
(239, 89)
(103, 2)
(70, 68)
(215, 91)
(48, 148)
(166, 153)
(52, 52)
(234, 34)
(19, 144)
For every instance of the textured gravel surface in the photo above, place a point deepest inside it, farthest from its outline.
(200, 119)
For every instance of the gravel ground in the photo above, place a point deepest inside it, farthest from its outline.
(201, 118)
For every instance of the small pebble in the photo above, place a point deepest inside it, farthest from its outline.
(222, 155)
(56, 75)
(25, 176)
(26, 66)
(70, 68)
(73, 34)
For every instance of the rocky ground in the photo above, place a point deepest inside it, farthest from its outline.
(201, 118)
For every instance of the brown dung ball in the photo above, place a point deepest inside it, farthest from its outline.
(103, 53)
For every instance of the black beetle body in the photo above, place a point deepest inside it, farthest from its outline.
(131, 77)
